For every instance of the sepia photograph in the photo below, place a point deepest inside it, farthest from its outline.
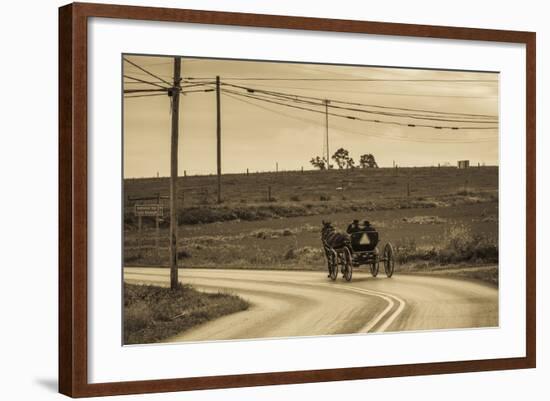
(273, 199)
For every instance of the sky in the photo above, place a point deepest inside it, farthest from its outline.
(258, 133)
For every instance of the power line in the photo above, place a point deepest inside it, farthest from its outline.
(144, 82)
(137, 91)
(146, 71)
(354, 79)
(133, 72)
(375, 92)
(197, 90)
(359, 118)
(385, 137)
(145, 95)
(321, 100)
(144, 90)
(140, 83)
(197, 84)
(384, 113)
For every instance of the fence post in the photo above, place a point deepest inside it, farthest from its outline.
(139, 237)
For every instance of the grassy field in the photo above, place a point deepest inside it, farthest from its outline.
(153, 313)
(433, 216)
(371, 185)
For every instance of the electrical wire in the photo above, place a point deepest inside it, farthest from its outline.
(326, 90)
(359, 118)
(144, 82)
(352, 79)
(145, 95)
(385, 137)
(145, 90)
(384, 113)
(294, 96)
(146, 71)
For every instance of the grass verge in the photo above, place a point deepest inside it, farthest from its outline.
(458, 245)
(486, 274)
(153, 313)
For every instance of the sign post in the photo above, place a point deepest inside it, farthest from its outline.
(149, 210)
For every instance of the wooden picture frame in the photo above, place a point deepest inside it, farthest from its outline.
(73, 198)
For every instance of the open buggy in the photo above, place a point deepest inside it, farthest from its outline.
(359, 247)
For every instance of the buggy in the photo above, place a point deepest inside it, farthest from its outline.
(361, 248)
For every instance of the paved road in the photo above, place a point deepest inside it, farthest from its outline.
(290, 303)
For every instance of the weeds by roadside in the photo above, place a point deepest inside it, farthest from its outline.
(153, 313)
(194, 215)
(459, 245)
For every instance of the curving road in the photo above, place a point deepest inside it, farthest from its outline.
(297, 303)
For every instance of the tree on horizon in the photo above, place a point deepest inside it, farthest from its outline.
(368, 161)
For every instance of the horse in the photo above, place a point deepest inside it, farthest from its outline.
(333, 241)
(333, 238)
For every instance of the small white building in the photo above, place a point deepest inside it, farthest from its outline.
(463, 163)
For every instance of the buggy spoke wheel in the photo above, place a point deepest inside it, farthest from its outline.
(347, 264)
(389, 261)
(374, 268)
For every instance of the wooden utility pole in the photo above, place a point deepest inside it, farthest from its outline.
(219, 138)
(157, 227)
(326, 138)
(175, 94)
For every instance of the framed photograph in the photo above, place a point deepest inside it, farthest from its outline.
(250, 200)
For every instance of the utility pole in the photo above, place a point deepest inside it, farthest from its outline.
(175, 94)
(219, 138)
(157, 227)
(326, 138)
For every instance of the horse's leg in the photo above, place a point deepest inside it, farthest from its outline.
(327, 256)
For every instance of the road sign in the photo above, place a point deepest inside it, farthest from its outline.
(151, 210)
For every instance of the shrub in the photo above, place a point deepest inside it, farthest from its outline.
(183, 254)
(290, 254)
(305, 255)
(461, 245)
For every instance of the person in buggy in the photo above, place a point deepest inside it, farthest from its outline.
(367, 226)
(353, 227)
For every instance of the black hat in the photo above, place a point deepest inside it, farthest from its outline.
(366, 222)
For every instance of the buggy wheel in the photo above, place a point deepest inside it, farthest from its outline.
(333, 265)
(389, 261)
(374, 268)
(347, 266)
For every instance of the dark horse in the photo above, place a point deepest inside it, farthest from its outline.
(333, 240)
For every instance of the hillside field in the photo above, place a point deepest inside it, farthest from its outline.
(431, 215)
